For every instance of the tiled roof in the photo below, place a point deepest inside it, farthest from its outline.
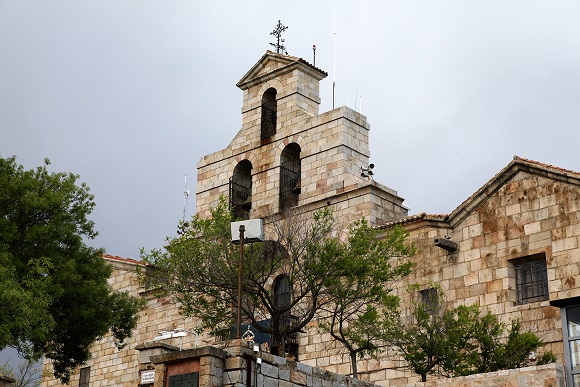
(413, 218)
(121, 259)
(297, 59)
(548, 166)
(286, 60)
(516, 165)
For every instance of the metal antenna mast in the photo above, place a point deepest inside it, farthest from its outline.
(185, 197)
(183, 224)
(279, 41)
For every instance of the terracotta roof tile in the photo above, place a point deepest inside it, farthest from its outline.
(121, 259)
(548, 166)
(413, 218)
(298, 59)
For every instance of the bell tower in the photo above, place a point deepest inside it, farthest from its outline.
(288, 155)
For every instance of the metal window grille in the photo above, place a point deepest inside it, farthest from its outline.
(428, 297)
(241, 196)
(85, 377)
(290, 186)
(531, 280)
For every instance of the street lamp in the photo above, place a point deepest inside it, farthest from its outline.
(177, 332)
(245, 231)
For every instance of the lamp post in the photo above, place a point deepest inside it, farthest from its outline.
(240, 269)
(244, 231)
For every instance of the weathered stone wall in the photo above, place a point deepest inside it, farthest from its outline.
(235, 364)
(523, 215)
(232, 366)
(549, 375)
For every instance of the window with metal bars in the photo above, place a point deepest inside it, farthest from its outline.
(290, 177)
(531, 279)
(429, 299)
(241, 190)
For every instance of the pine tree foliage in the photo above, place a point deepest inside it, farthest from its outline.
(54, 295)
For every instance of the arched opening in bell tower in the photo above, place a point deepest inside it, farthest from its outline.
(269, 113)
(241, 190)
(290, 171)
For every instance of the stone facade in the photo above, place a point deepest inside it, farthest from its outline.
(528, 209)
(516, 244)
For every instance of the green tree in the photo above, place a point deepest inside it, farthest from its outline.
(498, 352)
(431, 337)
(54, 295)
(362, 298)
(458, 341)
(284, 281)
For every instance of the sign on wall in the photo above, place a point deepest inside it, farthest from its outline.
(147, 377)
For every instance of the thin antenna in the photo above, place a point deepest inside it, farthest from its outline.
(355, 99)
(183, 225)
(334, 69)
(185, 196)
(360, 105)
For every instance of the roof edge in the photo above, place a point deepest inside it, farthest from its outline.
(290, 62)
(518, 164)
(116, 258)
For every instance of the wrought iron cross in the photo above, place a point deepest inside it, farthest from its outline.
(279, 41)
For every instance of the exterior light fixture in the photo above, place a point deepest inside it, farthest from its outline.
(245, 231)
(177, 332)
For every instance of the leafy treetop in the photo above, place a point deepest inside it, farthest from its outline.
(54, 294)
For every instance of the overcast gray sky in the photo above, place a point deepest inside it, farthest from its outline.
(131, 94)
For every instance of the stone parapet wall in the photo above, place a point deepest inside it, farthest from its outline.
(549, 375)
(232, 366)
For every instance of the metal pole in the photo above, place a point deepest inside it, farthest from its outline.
(240, 268)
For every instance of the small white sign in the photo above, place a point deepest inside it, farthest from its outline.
(147, 377)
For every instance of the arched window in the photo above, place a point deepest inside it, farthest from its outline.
(282, 294)
(290, 169)
(269, 111)
(282, 291)
(241, 190)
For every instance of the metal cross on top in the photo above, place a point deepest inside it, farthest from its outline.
(279, 41)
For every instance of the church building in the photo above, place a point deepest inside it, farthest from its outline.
(512, 247)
